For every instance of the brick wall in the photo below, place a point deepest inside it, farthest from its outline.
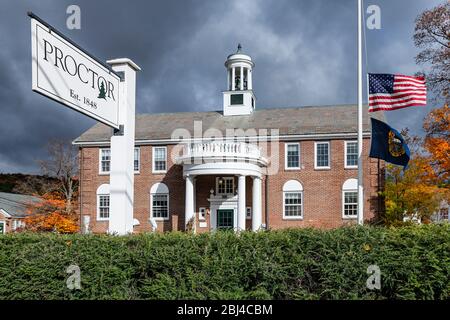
(322, 195)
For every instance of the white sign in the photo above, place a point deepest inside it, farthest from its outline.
(65, 73)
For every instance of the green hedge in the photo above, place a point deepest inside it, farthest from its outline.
(289, 264)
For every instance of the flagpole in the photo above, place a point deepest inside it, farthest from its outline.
(360, 118)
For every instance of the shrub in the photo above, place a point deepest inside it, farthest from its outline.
(288, 264)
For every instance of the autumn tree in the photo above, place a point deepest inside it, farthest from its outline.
(432, 36)
(49, 215)
(412, 192)
(437, 144)
(62, 164)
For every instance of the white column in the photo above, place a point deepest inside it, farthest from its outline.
(228, 79)
(256, 204)
(121, 177)
(242, 78)
(249, 79)
(241, 204)
(233, 82)
(360, 118)
(189, 200)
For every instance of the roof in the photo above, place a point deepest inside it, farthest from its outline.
(289, 121)
(15, 204)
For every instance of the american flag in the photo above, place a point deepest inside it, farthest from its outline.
(395, 91)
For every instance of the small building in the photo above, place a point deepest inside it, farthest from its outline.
(237, 168)
(13, 208)
(441, 215)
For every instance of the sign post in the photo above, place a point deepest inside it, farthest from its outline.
(64, 72)
(122, 152)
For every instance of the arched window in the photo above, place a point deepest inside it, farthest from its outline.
(159, 201)
(103, 202)
(350, 199)
(292, 200)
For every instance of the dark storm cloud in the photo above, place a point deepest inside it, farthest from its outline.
(304, 53)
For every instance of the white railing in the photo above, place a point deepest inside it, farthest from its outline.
(222, 149)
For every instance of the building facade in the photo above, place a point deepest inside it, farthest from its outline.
(13, 210)
(237, 168)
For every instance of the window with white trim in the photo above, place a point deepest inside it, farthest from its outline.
(159, 201)
(351, 154)
(159, 159)
(292, 153)
(105, 160)
(103, 202)
(103, 206)
(137, 159)
(17, 224)
(322, 155)
(160, 206)
(292, 200)
(350, 199)
(225, 185)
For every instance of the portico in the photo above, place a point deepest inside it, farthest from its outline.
(230, 163)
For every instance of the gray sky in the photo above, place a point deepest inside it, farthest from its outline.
(304, 51)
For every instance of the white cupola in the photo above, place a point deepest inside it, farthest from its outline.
(239, 99)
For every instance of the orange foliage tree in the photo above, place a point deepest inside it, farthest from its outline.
(50, 215)
(414, 192)
(437, 143)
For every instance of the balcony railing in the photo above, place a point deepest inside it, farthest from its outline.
(222, 150)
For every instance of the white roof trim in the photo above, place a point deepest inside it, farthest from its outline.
(292, 137)
(5, 213)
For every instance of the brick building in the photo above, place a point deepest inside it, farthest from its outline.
(13, 210)
(236, 168)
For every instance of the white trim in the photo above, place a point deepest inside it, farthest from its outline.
(350, 184)
(293, 137)
(5, 213)
(343, 204)
(346, 166)
(100, 171)
(151, 207)
(102, 190)
(4, 227)
(202, 217)
(315, 155)
(217, 186)
(292, 186)
(98, 207)
(138, 171)
(153, 159)
(223, 169)
(159, 188)
(301, 206)
(286, 155)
